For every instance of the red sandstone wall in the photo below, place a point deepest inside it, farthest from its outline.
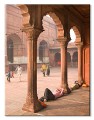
(86, 55)
(86, 70)
(13, 31)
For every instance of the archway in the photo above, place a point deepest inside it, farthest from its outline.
(79, 44)
(32, 64)
(68, 59)
(31, 75)
(43, 51)
(10, 50)
(14, 50)
(73, 43)
(57, 58)
(77, 34)
(75, 59)
(56, 18)
(50, 37)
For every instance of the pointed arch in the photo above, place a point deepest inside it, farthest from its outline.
(43, 51)
(25, 14)
(75, 57)
(60, 29)
(14, 48)
(68, 57)
(77, 33)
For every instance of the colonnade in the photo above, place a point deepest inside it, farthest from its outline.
(32, 104)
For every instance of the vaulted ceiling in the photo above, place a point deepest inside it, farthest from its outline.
(82, 11)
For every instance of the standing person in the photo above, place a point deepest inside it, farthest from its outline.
(8, 76)
(48, 70)
(12, 74)
(43, 69)
(19, 71)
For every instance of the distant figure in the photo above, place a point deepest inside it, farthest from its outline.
(12, 74)
(8, 76)
(48, 95)
(76, 85)
(43, 69)
(19, 71)
(59, 63)
(48, 70)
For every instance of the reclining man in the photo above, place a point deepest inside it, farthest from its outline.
(48, 95)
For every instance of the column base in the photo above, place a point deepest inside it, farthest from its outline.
(32, 107)
(28, 108)
(80, 82)
(67, 91)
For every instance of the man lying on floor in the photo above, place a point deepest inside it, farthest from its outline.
(48, 95)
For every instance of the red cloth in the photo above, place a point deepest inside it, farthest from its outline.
(43, 104)
(59, 63)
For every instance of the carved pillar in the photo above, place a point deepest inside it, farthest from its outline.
(79, 45)
(32, 104)
(64, 82)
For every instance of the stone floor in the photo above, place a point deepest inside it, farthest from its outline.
(75, 104)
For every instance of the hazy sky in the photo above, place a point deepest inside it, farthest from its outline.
(72, 35)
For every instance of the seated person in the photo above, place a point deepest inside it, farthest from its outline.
(76, 85)
(48, 95)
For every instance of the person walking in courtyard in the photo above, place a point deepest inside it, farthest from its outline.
(12, 74)
(19, 72)
(43, 69)
(8, 76)
(48, 70)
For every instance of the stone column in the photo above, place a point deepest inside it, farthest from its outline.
(64, 82)
(79, 45)
(32, 104)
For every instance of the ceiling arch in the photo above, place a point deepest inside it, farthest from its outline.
(60, 30)
(25, 13)
(77, 33)
(15, 38)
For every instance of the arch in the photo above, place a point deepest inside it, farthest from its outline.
(56, 19)
(27, 20)
(43, 50)
(57, 58)
(75, 57)
(14, 37)
(68, 57)
(72, 36)
(77, 33)
(10, 50)
(14, 48)
(25, 14)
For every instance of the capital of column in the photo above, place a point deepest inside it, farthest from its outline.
(63, 41)
(32, 33)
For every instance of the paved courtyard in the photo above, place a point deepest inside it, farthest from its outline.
(16, 91)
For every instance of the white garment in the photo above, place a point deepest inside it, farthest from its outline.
(19, 70)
